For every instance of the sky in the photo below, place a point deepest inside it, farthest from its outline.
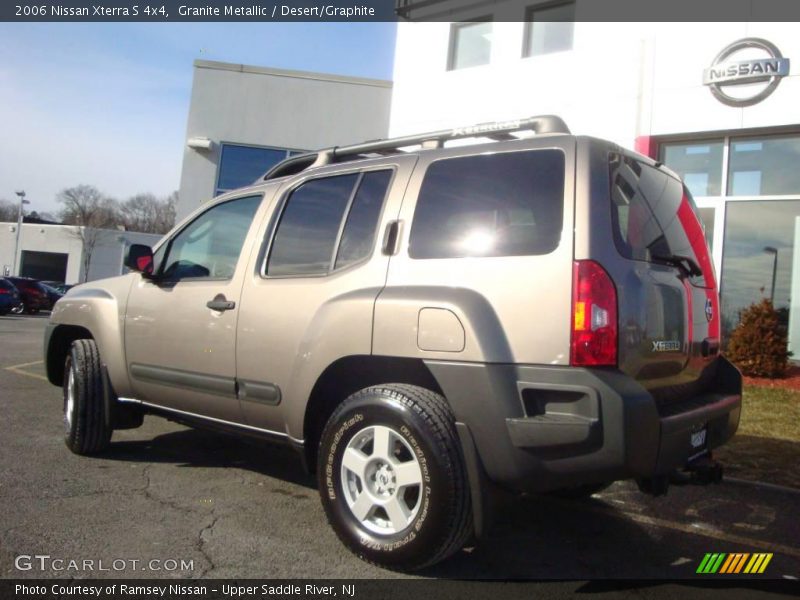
(106, 103)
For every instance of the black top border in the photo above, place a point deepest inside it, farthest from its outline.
(392, 10)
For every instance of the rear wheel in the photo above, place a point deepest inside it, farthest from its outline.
(86, 428)
(392, 477)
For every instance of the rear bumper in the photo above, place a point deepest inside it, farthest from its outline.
(539, 428)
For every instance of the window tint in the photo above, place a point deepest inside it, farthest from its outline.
(209, 246)
(506, 204)
(242, 165)
(309, 227)
(358, 236)
(549, 29)
(698, 163)
(764, 166)
(470, 44)
(654, 218)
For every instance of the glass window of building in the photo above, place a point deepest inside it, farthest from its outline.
(698, 163)
(764, 166)
(242, 165)
(549, 29)
(470, 44)
(758, 253)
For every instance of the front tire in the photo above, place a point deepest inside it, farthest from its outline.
(86, 428)
(392, 477)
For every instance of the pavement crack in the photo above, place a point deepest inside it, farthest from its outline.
(201, 546)
(147, 491)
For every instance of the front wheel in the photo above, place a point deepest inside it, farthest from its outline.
(86, 428)
(392, 477)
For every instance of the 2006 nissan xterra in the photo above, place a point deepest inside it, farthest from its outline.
(423, 322)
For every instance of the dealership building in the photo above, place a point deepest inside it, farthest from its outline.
(54, 252)
(244, 119)
(717, 104)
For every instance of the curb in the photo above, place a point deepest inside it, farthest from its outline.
(761, 484)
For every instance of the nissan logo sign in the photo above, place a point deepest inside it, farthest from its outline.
(724, 73)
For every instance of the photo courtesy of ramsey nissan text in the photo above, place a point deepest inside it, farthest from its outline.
(400, 298)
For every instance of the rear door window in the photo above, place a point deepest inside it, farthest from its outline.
(505, 204)
(654, 217)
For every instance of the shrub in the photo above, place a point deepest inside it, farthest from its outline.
(758, 345)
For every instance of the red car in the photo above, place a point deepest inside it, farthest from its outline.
(33, 295)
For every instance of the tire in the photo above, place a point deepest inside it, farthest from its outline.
(18, 309)
(85, 425)
(417, 430)
(581, 491)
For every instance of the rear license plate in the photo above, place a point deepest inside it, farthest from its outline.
(699, 439)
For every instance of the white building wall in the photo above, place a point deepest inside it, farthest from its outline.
(63, 239)
(297, 110)
(620, 80)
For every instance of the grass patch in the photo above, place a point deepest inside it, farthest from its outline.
(771, 412)
(767, 444)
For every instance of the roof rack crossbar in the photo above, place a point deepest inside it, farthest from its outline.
(499, 130)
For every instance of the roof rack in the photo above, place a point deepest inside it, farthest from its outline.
(499, 130)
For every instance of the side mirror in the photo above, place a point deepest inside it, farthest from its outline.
(140, 258)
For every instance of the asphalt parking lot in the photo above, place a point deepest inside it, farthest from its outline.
(241, 509)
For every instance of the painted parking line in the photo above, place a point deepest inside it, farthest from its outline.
(18, 369)
(693, 529)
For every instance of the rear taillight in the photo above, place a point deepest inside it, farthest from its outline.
(4, 291)
(594, 316)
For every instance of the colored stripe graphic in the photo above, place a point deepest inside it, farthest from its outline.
(729, 563)
(758, 563)
(741, 563)
(711, 562)
(722, 563)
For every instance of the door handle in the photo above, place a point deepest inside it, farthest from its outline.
(221, 303)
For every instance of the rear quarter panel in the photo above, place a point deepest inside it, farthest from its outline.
(513, 309)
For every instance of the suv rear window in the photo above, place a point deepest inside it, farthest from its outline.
(505, 204)
(646, 203)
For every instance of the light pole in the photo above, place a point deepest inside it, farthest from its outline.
(22, 201)
(774, 252)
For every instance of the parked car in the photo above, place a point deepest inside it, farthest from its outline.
(59, 286)
(53, 295)
(34, 296)
(421, 325)
(10, 299)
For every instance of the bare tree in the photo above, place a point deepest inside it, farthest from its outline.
(148, 214)
(91, 212)
(8, 211)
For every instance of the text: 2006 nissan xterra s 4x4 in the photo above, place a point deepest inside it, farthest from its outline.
(423, 322)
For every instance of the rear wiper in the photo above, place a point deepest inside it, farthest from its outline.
(685, 263)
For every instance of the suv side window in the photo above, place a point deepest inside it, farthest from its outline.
(645, 204)
(328, 223)
(358, 237)
(209, 246)
(505, 204)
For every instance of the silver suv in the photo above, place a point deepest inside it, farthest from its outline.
(423, 323)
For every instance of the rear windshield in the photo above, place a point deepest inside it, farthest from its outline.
(654, 217)
(6, 285)
(505, 204)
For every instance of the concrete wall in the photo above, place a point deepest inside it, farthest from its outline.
(271, 107)
(63, 239)
(620, 80)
